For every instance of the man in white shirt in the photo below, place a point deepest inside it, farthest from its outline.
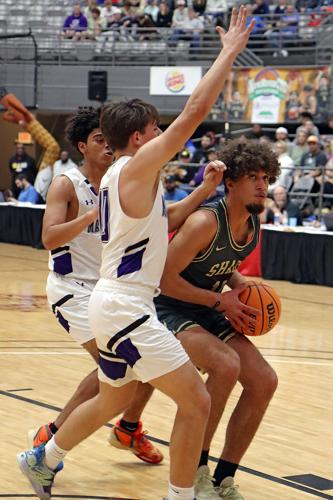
(63, 164)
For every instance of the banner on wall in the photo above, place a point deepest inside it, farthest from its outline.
(174, 80)
(275, 95)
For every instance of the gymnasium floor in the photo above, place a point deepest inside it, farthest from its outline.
(40, 367)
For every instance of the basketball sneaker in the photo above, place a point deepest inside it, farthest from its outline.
(39, 436)
(33, 466)
(228, 489)
(204, 485)
(136, 442)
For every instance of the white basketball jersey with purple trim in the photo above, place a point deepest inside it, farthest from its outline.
(134, 250)
(81, 257)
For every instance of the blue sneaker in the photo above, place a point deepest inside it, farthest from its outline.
(41, 478)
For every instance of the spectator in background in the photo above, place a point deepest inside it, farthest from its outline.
(198, 178)
(76, 25)
(236, 107)
(308, 100)
(281, 134)
(180, 15)
(256, 132)
(27, 193)
(164, 16)
(286, 164)
(21, 163)
(307, 124)
(281, 8)
(152, 9)
(216, 10)
(280, 206)
(293, 104)
(299, 147)
(63, 164)
(172, 192)
(287, 30)
(260, 8)
(322, 89)
(190, 28)
(315, 157)
(200, 156)
(94, 23)
(107, 11)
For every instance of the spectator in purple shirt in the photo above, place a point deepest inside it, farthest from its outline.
(75, 25)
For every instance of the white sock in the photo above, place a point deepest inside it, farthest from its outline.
(177, 493)
(53, 454)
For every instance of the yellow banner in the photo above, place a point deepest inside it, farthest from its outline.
(276, 95)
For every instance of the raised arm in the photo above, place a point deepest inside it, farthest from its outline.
(61, 223)
(150, 158)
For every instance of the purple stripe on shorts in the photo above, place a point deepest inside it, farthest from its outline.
(64, 323)
(63, 264)
(112, 369)
(127, 351)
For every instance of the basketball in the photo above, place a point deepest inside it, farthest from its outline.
(264, 298)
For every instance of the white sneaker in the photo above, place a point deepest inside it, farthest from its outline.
(204, 485)
(228, 489)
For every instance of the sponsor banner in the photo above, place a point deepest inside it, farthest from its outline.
(174, 80)
(275, 95)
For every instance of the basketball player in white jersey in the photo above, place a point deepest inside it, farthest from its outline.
(133, 345)
(71, 233)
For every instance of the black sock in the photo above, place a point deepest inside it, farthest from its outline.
(53, 428)
(204, 458)
(224, 469)
(129, 426)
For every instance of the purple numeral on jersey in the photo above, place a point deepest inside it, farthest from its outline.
(104, 214)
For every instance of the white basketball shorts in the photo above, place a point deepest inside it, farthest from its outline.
(69, 299)
(132, 343)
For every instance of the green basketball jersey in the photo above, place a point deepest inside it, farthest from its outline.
(213, 269)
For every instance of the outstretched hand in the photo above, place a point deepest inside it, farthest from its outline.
(238, 34)
(213, 174)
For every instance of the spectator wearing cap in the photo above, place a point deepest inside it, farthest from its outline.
(172, 193)
(180, 14)
(281, 134)
(185, 167)
(315, 157)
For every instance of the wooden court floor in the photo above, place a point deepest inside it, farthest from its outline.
(40, 367)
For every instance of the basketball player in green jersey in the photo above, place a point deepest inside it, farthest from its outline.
(202, 258)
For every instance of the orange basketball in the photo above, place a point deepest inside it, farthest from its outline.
(264, 298)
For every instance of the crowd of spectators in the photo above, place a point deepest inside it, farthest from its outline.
(276, 24)
(306, 161)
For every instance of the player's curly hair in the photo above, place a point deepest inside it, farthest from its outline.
(241, 158)
(81, 124)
